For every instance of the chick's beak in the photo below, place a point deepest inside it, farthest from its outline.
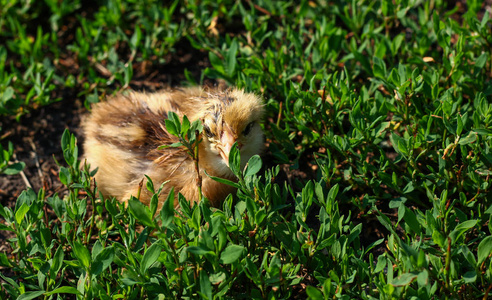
(226, 141)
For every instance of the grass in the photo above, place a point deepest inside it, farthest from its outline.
(379, 133)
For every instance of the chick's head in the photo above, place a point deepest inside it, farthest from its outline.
(231, 116)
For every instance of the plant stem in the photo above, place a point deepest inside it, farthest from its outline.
(197, 168)
(176, 261)
(92, 218)
(448, 262)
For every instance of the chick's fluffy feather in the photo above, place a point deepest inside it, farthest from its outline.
(123, 136)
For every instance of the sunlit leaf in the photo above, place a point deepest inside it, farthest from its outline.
(231, 254)
(82, 254)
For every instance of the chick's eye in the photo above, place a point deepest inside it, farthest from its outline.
(207, 131)
(247, 130)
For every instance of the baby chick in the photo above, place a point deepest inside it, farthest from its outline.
(123, 135)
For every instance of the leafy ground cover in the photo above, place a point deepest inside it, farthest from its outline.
(375, 182)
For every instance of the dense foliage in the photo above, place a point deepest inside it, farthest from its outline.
(379, 133)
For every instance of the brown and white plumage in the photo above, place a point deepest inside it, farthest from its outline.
(123, 135)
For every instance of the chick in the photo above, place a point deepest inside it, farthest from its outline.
(124, 133)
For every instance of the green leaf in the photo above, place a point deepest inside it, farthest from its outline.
(196, 218)
(57, 261)
(205, 285)
(471, 137)
(185, 125)
(423, 278)
(199, 250)
(135, 39)
(14, 168)
(128, 72)
(380, 265)
(260, 216)
(216, 62)
(21, 212)
(65, 176)
(379, 67)
(380, 129)
(481, 61)
(154, 203)
(469, 256)
(7, 228)
(150, 256)
(175, 118)
(399, 144)
(438, 238)
(385, 221)
(459, 126)
(253, 166)
(411, 220)
(470, 276)
(461, 229)
(7, 94)
(490, 223)
(140, 212)
(129, 281)
(314, 293)
(484, 249)
(485, 20)
(65, 140)
(171, 127)
(10, 281)
(224, 181)
(197, 125)
(102, 261)
(332, 194)
(96, 249)
(251, 268)
(4, 261)
(217, 278)
(422, 261)
(327, 287)
(483, 131)
(149, 185)
(30, 295)
(173, 145)
(222, 237)
(408, 188)
(82, 254)
(64, 290)
(404, 279)
(231, 254)
(235, 160)
(167, 210)
(110, 207)
(231, 58)
(364, 61)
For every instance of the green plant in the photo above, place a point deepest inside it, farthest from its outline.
(6, 167)
(376, 180)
